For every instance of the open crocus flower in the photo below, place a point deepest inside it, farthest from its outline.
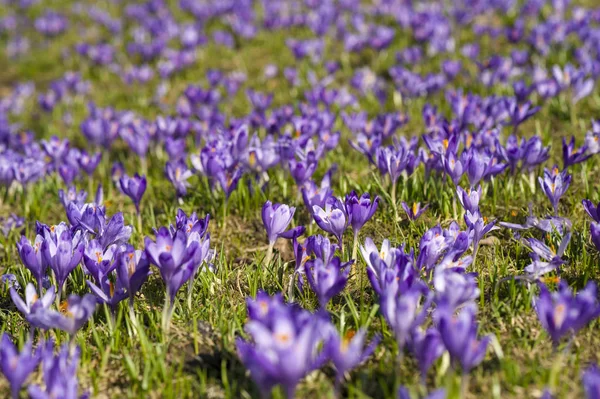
(32, 301)
(545, 259)
(386, 253)
(562, 312)
(178, 173)
(332, 218)
(97, 260)
(349, 351)
(190, 224)
(74, 313)
(554, 185)
(415, 211)
(572, 156)
(17, 366)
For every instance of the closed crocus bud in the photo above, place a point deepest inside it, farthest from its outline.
(459, 335)
(360, 209)
(134, 187)
(276, 218)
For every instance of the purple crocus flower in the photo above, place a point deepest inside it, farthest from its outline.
(454, 288)
(349, 351)
(591, 382)
(562, 312)
(469, 199)
(280, 332)
(178, 174)
(571, 156)
(89, 163)
(75, 312)
(9, 280)
(108, 292)
(62, 251)
(403, 310)
(31, 256)
(595, 234)
(332, 218)
(32, 302)
(592, 210)
(317, 195)
(476, 165)
(453, 167)
(427, 347)
(174, 258)
(360, 209)
(133, 270)
(415, 211)
(98, 261)
(17, 366)
(545, 259)
(190, 224)
(327, 279)
(555, 184)
(134, 187)
(477, 228)
(60, 374)
(276, 218)
(459, 335)
(303, 169)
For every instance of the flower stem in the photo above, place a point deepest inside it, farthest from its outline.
(269, 256)
(394, 205)
(167, 313)
(190, 290)
(464, 385)
(355, 247)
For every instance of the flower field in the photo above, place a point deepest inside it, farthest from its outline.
(299, 199)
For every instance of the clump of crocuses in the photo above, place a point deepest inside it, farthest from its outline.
(287, 342)
(178, 253)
